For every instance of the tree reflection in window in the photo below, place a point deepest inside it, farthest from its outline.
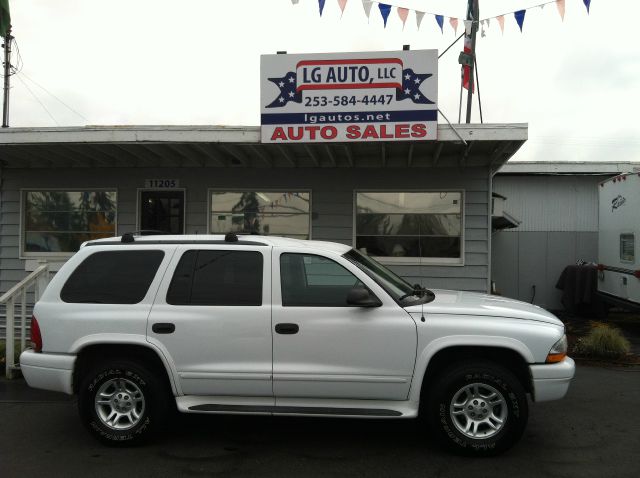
(59, 221)
(280, 213)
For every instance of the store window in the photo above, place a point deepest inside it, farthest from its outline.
(627, 248)
(277, 213)
(417, 226)
(56, 222)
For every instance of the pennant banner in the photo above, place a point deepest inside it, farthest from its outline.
(440, 22)
(519, 15)
(484, 24)
(560, 5)
(367, 4)
(403, 13)
(385, 10)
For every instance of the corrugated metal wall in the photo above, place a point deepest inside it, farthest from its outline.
(551, 203)
(559, 226)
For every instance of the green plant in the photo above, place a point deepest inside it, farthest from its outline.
(602, 341)
(3, 349)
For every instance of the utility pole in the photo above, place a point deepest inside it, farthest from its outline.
(473, 14)
(7, 74)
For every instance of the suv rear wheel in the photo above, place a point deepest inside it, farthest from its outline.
(477, 408)
(121, 402)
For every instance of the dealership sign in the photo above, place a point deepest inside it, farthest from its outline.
(373, 96)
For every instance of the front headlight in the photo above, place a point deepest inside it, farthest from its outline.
(558, 352)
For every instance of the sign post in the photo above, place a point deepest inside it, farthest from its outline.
(345, 97)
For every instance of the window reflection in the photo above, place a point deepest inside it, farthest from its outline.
(409, 224)
(59, 221)
(279, 213)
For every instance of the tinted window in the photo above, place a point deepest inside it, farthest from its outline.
(112, 277)
(217, 278)
(309, 280)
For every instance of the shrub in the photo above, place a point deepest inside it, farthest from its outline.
(603, 341)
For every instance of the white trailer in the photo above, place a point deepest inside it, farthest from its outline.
(619, 228)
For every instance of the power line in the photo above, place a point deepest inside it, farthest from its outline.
(54, 96)
(38, 100)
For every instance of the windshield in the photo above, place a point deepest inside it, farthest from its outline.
(396, 286)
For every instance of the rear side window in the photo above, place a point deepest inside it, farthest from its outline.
(112, 277)
(205, 277)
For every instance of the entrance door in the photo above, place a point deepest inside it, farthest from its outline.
(162, 211)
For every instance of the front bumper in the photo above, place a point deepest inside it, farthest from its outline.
(48, 371)
(551, 381)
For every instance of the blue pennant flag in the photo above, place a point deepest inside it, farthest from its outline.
(587, 3)
(385, 10)
(411, 87)
(520, 17)
(288, 92)
(440, 20)
(321, 5)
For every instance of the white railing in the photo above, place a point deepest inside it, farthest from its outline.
(37, 281)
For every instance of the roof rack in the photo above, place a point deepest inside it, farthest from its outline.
(129, 239)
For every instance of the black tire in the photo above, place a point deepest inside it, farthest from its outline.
(448, 420)
(134, 387)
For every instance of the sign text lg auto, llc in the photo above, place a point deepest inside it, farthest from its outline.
(341, 97)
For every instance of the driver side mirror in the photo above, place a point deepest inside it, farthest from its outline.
(362, 297)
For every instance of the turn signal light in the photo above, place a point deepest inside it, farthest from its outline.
(559, 351)
(36, 336)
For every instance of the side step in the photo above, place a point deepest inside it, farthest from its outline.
(370, 412)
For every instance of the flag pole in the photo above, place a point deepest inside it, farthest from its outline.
(7, 73)
(473, 12)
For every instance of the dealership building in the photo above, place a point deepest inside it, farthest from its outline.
(421, 207)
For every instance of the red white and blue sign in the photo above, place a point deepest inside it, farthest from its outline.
(344, 97)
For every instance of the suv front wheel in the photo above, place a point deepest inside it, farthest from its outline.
(121, 402)
(477, 408)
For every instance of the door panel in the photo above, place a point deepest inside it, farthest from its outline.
(217, 349)
(338, 351)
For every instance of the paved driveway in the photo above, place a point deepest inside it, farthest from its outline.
(594, 432)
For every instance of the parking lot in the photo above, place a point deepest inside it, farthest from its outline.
(594, 432)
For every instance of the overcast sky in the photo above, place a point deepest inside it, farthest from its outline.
(577, 82)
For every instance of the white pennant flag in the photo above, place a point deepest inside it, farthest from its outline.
(488, 20)
(367, 4)
(295, 2)
(467, 27)
(419, 17)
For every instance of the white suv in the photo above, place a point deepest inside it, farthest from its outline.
(268, 325)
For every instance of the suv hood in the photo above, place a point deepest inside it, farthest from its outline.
(472, 303)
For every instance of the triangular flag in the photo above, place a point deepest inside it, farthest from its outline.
(295, 2)
(403, 13)
(454, 24)
(367, 4)
(519, 16)
(321, 6)
(440, 21)
(385, 10)
(342, 3)
(467, 27)
(501, 22)
(488, 20)
(482, 32)
(560, 5)
(587, 3)
(419, 17)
